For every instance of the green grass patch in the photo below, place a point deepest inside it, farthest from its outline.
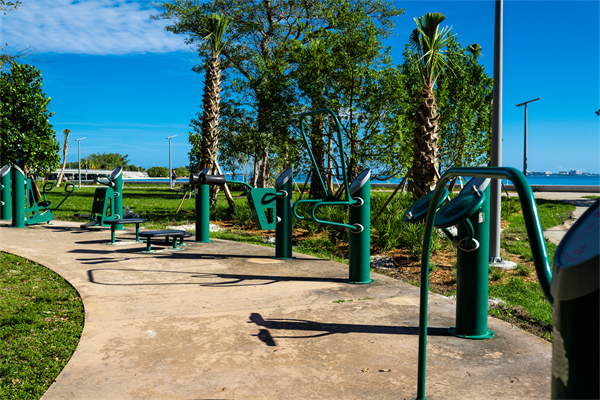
(526, 303)
(514, 239)
(590, 197)
(41, 318)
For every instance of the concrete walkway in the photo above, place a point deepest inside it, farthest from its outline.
(224, 320)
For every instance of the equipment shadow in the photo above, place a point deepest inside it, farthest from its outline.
(226, 280)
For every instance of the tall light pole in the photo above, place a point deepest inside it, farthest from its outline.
(138, 164)
(170, 171)
(79, 157)
(525, 145)
(496, 145)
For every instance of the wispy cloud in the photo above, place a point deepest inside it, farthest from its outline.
(96, 27)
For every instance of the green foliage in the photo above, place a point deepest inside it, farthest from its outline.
(26, 135)
(158, 172)
(107, 161)
(393, 232)
(182, 172)
(260, 103)
(428, 41)
(41, 319)
(464, 97)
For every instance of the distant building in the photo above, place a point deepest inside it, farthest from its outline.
(563, 172)
(574, 172)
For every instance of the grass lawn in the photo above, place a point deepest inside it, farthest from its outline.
(41, 321)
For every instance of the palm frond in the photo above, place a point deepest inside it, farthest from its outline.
(214, 30)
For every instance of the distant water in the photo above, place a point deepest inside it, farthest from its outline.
(562, 180)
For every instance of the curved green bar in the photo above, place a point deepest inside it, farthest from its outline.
(320, 203)
(249, 187)
(534, 233)
(109, 183)
(340, 141)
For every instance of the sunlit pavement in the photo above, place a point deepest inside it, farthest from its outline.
(224, 320)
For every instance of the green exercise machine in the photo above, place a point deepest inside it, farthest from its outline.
(5, 186)
(573, 293)
(108, 201)
(469, 211)
(27, 207)
(358, 199)
(271, 207)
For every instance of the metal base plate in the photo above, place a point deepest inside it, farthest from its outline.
(160, 251)
(359, 283)
(120, 243)
(487, 335)
(498, 262)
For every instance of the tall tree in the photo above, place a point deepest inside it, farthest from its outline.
(261, 96)
(26, 135)
(428, 42)
(214, 30)
(65, 148)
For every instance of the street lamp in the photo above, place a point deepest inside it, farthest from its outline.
(525, 145)
(79, 158)
(170, 172)
(138, 164)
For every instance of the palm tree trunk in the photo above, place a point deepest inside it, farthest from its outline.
(425, 160)
(318, 149)
(65, 148)
(210, 119)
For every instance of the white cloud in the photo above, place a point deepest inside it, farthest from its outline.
(97, 27)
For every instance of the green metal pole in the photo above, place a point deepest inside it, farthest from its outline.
(283, 216)
(360, 241)
(472, 277)
(5, 201)
(202, 214)
(18, 197)
(117, 178)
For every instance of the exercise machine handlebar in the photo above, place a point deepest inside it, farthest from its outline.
(110, 182)
(318, 203)
(67, 186)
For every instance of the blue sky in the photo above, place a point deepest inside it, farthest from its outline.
(123, 82)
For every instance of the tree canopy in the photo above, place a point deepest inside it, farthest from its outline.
(26, 135)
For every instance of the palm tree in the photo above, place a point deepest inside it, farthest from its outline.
(65, 147)
(213, 34)
(428, 42)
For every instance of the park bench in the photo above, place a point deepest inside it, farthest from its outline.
(124, 221)
(175, 234)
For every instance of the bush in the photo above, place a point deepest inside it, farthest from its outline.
(182, 172)
(158, 172)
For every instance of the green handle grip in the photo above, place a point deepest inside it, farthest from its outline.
(110, 182)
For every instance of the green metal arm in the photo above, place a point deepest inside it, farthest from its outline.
(534, 233)
(312, 157)
(67, 196)
(248, 186)
(44, 190)
(319, 203)
(109, 184)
